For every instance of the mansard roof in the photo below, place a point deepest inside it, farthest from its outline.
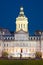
(4, 31)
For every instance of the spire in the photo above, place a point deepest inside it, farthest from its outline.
(21, 11)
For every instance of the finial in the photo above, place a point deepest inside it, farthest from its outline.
(21, 11)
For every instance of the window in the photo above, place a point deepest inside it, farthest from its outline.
(26, 50)
(21, 51)
(34, 38)
(16, 50)
(0, 44)
(21, 25)
(32, 49)
(7, 45)
(10, 38)
(4, 45)
(24, 25)
(31, 38)
(7, 49)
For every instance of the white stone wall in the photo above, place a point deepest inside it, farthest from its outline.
(42, 47)
(29, 48)
(21, 36)
(1, 47)
(14, 48)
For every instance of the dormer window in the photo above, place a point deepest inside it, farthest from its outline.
(3, 33)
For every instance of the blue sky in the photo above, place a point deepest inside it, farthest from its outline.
(9, 10)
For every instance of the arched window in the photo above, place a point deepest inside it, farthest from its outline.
(21, 25)
(24, 25)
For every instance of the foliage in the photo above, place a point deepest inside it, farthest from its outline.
(38, 55)
(4, 54)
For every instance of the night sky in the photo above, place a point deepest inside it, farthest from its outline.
(9, 10)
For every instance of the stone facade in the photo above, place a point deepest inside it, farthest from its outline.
(20, 44)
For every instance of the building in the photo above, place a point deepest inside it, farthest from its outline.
(20, 44)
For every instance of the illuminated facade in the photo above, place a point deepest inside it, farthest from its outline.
(20, 44)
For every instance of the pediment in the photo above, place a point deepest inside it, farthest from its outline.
(21, 32)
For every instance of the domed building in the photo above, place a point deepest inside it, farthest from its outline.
(21, 44)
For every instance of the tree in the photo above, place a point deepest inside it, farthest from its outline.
(4, 54)
(38, 55)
